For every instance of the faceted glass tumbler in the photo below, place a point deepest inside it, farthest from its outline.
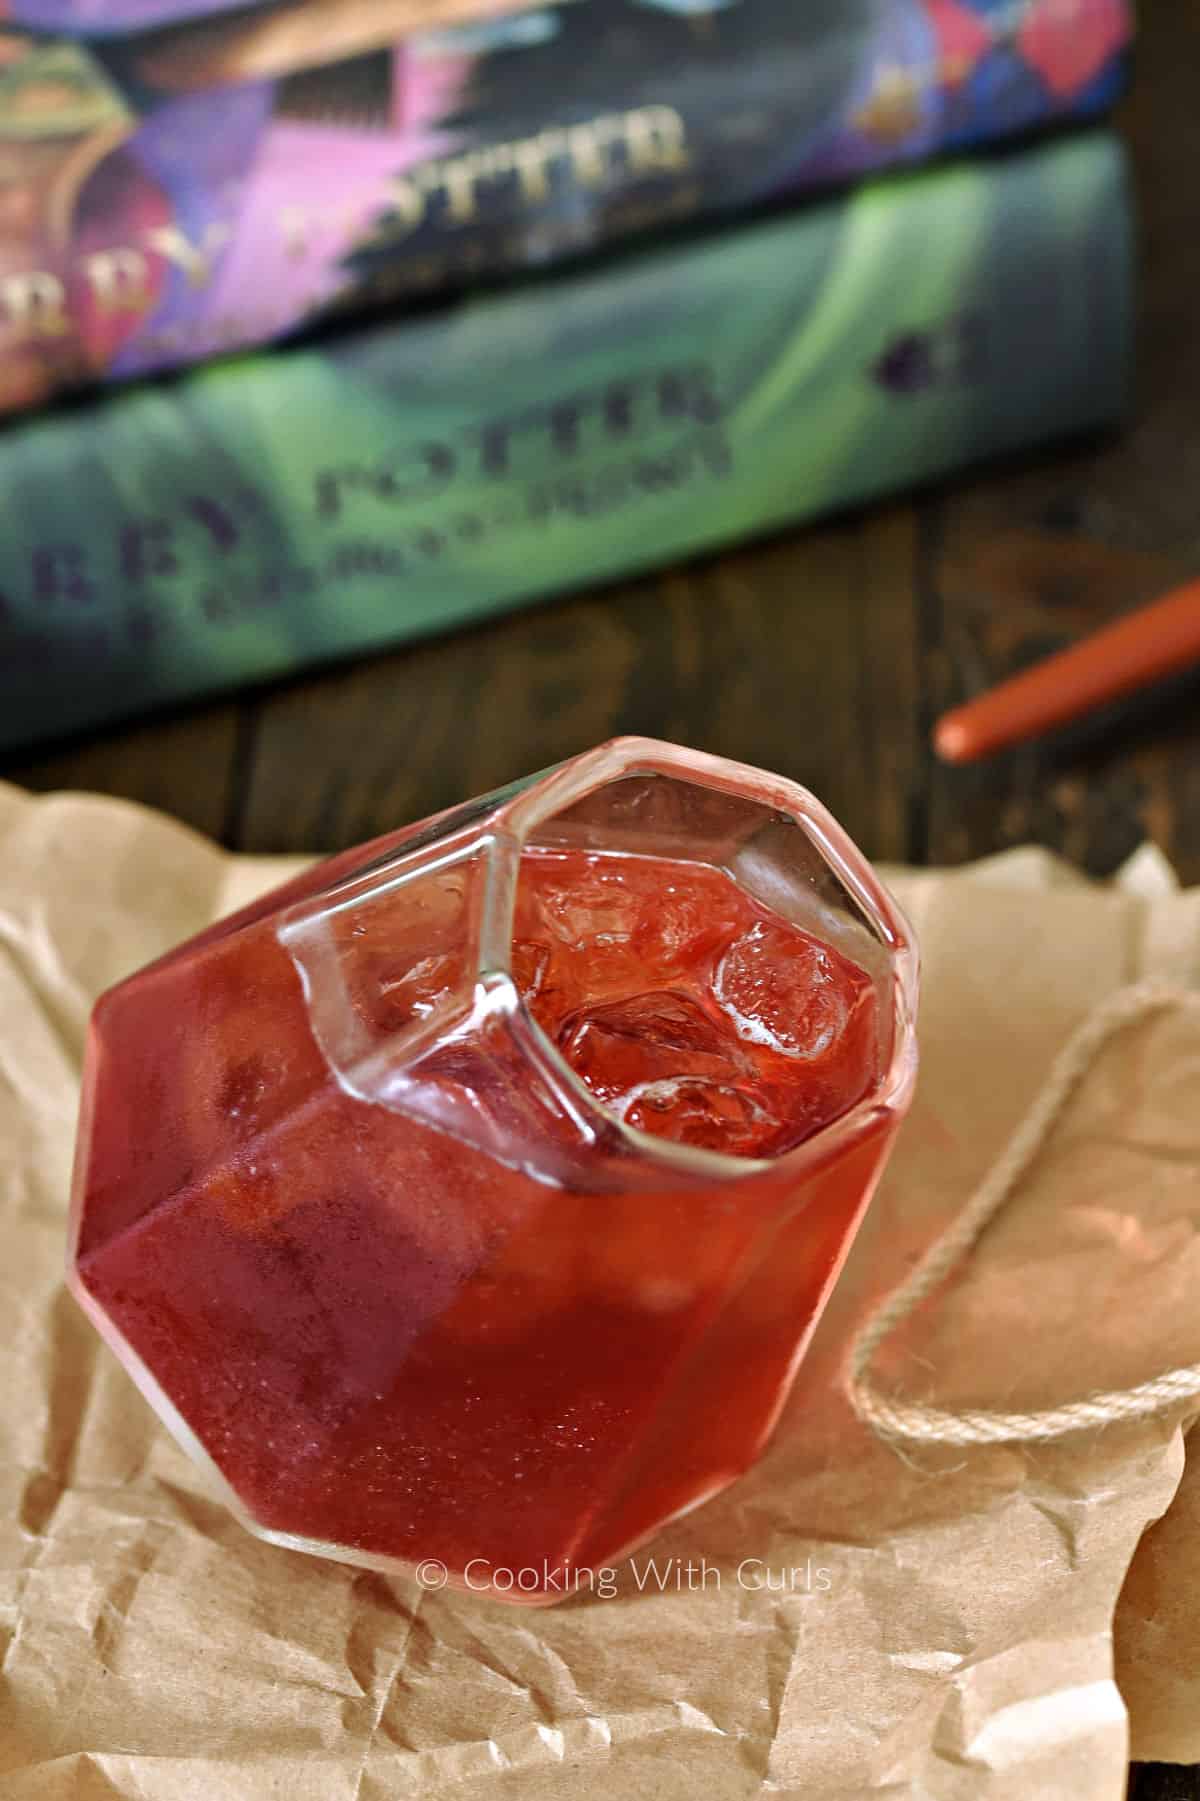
(382, 1262)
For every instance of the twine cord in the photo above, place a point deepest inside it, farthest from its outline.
(908, 1420)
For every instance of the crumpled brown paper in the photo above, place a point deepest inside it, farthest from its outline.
(843, 1623)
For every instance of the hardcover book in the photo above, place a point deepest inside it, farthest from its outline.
(232, 176)
(310, 503)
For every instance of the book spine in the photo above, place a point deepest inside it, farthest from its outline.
(321, 501)
(225, 183)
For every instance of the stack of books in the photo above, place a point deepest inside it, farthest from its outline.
(551, 293)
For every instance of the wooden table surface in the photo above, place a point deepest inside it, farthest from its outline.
(825, 654)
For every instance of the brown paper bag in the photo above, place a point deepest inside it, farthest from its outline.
(844, 1622)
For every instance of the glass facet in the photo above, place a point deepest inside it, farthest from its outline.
(474, 1196)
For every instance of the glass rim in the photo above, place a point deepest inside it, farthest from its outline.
(500, 832)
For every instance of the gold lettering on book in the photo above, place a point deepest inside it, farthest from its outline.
(647, 140)
(589, 147)
(119, 280)
(196, 260)
(530, 159)
(460, 180)
(657, 139)
(37, 302)
(597, 153)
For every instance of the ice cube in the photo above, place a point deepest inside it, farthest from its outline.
(780, 989)
(616, 1046)
(666, 1067)
(588, 908)
(717, 1116)
(688, 921)
(583, 924)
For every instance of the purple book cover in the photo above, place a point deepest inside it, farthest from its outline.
(223, 181)
(112, 18)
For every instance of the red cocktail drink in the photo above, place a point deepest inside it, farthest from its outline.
(473, 1198)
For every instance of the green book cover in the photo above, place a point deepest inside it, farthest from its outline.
(310, 503)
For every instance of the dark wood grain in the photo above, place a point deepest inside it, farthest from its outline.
(188, 766)
(808, 667)
(825, 655)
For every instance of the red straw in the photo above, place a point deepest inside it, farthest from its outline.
(1149, 643)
